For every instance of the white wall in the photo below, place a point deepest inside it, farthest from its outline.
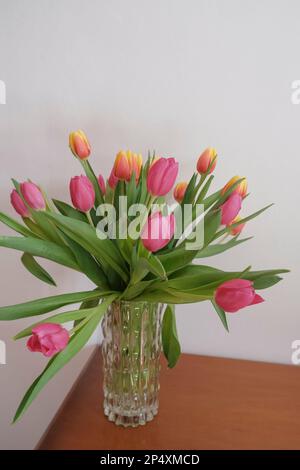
(177, 76)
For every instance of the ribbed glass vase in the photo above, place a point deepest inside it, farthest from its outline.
(131, 360)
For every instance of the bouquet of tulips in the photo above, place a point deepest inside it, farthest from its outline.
(124, 236)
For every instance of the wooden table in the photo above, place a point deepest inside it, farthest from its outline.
(205, 403)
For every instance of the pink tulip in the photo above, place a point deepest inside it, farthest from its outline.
(235, 294)
(231, 208)
(102, 184)
(112, 180)
(48, 338)
(161, 176)
(18, 204)
(158, 231)
(32, 195)
(82, 193)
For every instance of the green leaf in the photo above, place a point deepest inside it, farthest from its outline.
(69, 211)
(212, 222)
(265, 282)
(212, 250)
(47, 304)
(174, 296)
(35, 229)
(16, 226)
(76, 343)
(241, 221)
(87, 264)
(133, 291)
(86, 305)
(204, 190)
(171, 346)
(189, 192)
(254, 275)
(142, 185)
(47, 227)
(156, 267)
(176, 258)
(104, 250)
(194, 276)
(181, 225)
(41, 248)
(221, 314)
(131, 190)
(64, 317)
(212, 199)
(34, 268)
(146, 265)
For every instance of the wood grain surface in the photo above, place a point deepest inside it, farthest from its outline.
(205, 403)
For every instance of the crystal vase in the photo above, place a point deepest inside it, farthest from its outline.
(131, 361)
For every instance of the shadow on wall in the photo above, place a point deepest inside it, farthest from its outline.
(21, 367)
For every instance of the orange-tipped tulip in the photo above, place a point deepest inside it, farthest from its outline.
(79, 145)
(137, 163)
(125, 164)
(179, 191)
(241, 188)
(236, 230)
(207, 161)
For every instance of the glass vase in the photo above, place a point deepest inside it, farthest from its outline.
(131, 361)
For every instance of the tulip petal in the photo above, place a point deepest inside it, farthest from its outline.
(47, 329)
(257, 300)
(231, 208)
(236, 284)
(33, 344)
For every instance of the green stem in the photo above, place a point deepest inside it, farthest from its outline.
(92, 177)
(88, 214)
(80, 325)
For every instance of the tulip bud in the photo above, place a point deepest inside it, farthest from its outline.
(137, 163)
(208, 159)
(154, 160)
(235, 294)
(48, 338)
(158, 231)
(33, 195)
(236, 230)
(122, 166)
(126, 163)
(241, 188)
(161, 176)
(112, 180)
(82, 193)
(18, 204)
(231, 208)
(79, 145)
(179, 191)
(102, 184)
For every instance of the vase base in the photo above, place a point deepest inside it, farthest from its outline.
(130, 419)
